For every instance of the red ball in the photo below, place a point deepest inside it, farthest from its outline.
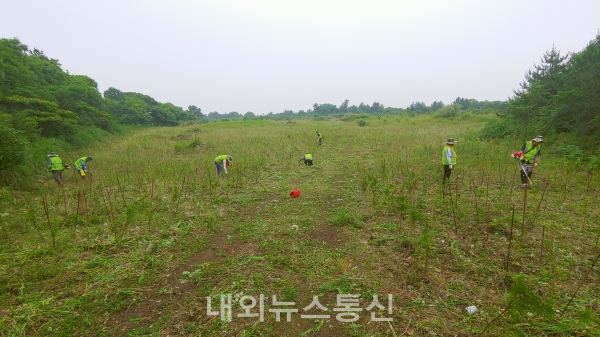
(295, 193)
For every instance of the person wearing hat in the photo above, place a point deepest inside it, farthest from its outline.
(529, 159)
(308, 159)
(449, 158)
(320, 137)
(81, 165)
(221, 163)
(55, 165)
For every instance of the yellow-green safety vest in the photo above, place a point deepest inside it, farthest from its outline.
(530, 152)
(308, 156)
(445, 158)
(219, 159)
(56, 164)
(78, 162)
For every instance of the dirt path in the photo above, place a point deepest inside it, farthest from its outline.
(168, 294)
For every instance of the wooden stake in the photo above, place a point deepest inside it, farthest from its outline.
(510, 238)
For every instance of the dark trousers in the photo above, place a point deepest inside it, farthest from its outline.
(320, 139)
(447, 172)
(524, 176)
(526, 171)
(219, 168)
(308, 162)
(57, 175)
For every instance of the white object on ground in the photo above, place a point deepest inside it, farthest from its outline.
(471, 310)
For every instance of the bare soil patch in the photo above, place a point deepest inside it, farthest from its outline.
(171, 292)
(326, 234)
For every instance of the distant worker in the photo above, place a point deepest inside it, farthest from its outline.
(308, 159)
(55, 165)
(320, 137)
(449, 158)
(222, 162)
(81, 165)
(529, 159)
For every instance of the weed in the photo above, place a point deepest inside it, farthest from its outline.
(343, 217)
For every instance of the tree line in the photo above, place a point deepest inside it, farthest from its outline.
(327, 109)
(44, 108)
(559, 98)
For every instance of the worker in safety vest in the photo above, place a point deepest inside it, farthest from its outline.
(529, 159)
(320, 137)
(81, 165)
(55, 165)
(308, 159)
(222, 162)
(449, 158)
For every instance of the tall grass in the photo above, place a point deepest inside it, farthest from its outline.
(372, 201)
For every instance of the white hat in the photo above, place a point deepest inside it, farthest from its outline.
(538, 139)
(451, 141)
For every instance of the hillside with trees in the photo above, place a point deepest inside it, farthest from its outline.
(44, 108)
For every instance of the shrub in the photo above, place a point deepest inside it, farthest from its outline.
(571, 153)
(449, 111)
(594, 163)
(14, 147)
(361, 122)
(348, 117)
(498, 128)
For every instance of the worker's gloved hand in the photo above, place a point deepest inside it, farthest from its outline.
(535, 165)
(451, 167)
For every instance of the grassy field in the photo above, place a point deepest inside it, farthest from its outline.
(136, 249)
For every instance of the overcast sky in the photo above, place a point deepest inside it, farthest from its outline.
(276, 55)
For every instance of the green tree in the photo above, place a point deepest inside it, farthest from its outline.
(133, 111)
(465, 103)
(376, 107)
(435, 106)
(38, 117)
(91, 116)
(578, 100)
(418, 107)
(344, 106)
(325, 109)
(196, 111)
(114, 94)
(162, 115)
(534, 106)
(16, 76)
(14, 147)
(362, 107)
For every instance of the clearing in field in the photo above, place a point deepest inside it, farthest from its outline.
(138, 247)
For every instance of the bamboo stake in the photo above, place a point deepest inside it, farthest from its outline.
(510, 238)
(580, 284)
(524, 210)
(45, 201)
(453, 214)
